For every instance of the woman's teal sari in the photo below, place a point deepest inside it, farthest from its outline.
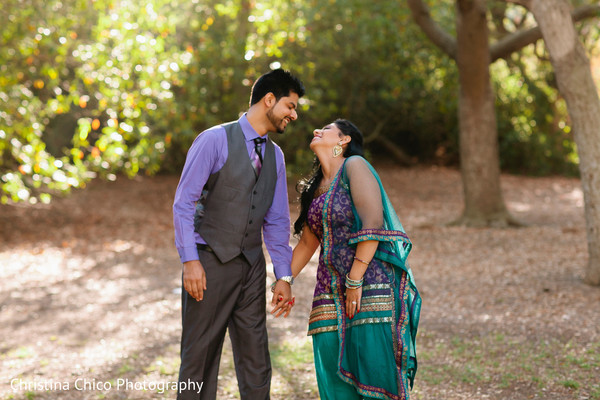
(377, 347)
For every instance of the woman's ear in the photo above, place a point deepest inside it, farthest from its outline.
(346, 139)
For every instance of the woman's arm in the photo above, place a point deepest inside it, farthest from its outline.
(301, 255)
(366, 197)
(364, 254)
(304, 250)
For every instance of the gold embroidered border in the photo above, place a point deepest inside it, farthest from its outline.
(331, 328)
(322, 307)
(376, 299)
(376, 307)
(325, 316)
(327, 296)
(370, 321)
(376, 286)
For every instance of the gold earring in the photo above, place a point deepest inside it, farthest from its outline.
(337, 149)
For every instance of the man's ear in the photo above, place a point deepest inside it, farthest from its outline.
(269, 100)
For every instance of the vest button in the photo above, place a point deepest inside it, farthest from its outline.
(255, 192)
(249, 222)
(253, 207)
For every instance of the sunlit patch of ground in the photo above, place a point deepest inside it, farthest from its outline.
(90, 293)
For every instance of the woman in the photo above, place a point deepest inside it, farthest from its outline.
(366, 306)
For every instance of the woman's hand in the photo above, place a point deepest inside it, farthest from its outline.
(353, 297)
(282, 299)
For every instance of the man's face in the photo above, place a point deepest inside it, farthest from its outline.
(283, 111)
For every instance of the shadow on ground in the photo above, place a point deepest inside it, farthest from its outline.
(89, 294)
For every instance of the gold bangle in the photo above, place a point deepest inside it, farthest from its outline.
(352, 283)
(362, 261)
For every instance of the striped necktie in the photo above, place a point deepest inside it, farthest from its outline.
(256, 156)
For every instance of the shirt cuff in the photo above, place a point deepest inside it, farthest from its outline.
(188, 254)
(282, 271)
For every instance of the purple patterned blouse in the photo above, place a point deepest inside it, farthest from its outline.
(376, 299)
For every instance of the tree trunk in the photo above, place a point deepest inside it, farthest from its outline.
(576, 85)
(480, 164)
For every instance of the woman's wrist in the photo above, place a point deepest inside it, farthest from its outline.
(357, 276)
(353, 283)
(360, 260)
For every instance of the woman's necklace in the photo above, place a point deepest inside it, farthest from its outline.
(322, 189)
(325, 188)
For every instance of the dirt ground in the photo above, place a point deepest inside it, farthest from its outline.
(90, 289)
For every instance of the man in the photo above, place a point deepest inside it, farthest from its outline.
(233, 183)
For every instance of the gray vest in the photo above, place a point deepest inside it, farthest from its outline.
(236, 202)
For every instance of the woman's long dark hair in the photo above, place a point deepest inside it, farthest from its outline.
(307, 186)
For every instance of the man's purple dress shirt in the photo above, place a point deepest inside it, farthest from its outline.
(208, 155)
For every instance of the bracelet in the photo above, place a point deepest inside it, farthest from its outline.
(362, 261)
(354, 284)
(289, 279)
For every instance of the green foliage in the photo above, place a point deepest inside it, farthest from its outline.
(107, 87)
(533, 130)
(82, 87)
(367, 62)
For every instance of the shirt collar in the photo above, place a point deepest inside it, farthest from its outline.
(249, 132)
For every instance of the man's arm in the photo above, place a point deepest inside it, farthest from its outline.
(204, 158)
(276, 233)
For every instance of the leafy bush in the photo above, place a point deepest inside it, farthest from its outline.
(111, 87)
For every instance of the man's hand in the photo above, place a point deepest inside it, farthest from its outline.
(282, 301)
(194, 279)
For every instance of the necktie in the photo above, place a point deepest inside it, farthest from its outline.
(256, 156)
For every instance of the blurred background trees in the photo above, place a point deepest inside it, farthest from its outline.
(478, 134)
(102, 87)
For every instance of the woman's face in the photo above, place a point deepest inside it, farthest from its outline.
(326, 137)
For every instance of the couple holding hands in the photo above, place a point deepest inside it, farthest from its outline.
(233, 193)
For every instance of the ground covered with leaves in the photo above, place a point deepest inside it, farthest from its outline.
(90, 296)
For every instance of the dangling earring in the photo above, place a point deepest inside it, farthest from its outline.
(337, 149)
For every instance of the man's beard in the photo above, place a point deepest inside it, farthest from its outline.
(276, 123)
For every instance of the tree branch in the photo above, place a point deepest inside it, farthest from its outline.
(498, 12)
(524, 3)
(585, 12)
(399, 155)
(376, 131)
(509, 44)
(504, 47)
(432, 30)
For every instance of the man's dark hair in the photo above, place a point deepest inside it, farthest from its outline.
(279, 82)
